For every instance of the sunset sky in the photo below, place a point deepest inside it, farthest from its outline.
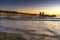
(31, 6)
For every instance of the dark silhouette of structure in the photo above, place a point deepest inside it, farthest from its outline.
(46, 15)
(14, 14)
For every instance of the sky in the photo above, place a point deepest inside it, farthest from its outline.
(31, 6)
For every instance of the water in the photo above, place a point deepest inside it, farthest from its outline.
(40, 27)
(29, 28)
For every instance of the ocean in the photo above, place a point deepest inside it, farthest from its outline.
(34, 27)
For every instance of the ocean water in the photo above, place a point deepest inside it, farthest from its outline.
(35, 27)
(52, 27)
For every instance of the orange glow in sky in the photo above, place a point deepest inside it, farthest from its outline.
(31, 6)
(47, 10)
